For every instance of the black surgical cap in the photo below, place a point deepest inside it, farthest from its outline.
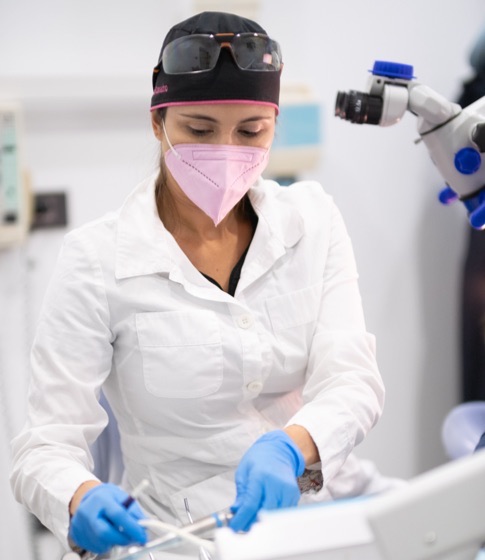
(226, 82)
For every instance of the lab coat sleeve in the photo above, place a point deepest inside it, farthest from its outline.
(71, 357)
(343, 395)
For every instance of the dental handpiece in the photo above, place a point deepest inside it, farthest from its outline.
(170, 540)
(209, 523)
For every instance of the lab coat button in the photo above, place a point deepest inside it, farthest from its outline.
(245, 321)
(254, 386)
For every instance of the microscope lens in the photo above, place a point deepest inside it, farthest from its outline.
(358, 107)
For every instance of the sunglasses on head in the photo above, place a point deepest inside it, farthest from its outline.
(199, 53)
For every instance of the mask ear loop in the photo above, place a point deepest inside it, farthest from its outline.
(168, 140)
(171, 259)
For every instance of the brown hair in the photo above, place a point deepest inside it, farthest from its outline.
(163, 196)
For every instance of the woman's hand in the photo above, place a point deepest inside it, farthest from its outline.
(266, 478)
(102, 520)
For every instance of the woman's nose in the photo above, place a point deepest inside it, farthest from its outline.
(226, 137)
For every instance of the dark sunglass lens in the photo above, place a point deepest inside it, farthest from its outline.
(257, 53)
(194, 53)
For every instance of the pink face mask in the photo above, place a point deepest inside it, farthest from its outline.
(213, 176)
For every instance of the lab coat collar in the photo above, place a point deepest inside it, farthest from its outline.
(141, 242)
(145, 247)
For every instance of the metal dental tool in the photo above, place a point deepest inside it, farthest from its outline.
(203, 553)
(173, 539)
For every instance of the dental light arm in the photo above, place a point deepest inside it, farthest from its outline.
(454, 137)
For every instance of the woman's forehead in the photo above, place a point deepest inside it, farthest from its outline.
(222, 112)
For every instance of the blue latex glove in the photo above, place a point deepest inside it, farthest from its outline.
(266, 478)
(101, 521)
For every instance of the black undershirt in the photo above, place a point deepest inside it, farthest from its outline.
(236, 271)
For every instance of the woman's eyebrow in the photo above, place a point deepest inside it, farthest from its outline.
(199, 116)
(204, 117)
(257, 118)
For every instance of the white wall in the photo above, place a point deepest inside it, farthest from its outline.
(83, 70)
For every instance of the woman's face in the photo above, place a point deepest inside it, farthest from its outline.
(229, 124)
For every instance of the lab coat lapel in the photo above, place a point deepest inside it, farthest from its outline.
(280, 227)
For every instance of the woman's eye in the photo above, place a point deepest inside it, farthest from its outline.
(198, 131)
(249, 133)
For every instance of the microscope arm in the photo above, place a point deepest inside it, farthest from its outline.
(431, 107)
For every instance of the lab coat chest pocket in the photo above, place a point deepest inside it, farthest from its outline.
(293, 317)
(181, 353)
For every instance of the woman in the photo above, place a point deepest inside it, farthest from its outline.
(218, 312)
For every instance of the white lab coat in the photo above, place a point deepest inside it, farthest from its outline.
(193, 374)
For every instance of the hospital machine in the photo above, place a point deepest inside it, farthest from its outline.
(454, 137)
(440, 514)
(14, 201)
